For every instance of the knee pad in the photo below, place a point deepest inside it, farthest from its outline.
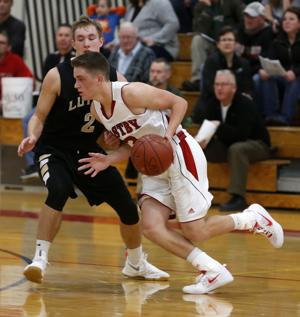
(129, 215)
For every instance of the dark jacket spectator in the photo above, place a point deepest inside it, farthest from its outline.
(285, 48)
(255, 36)
(14, 28)
(287, 53)
(209, 17)
(240, 139)
(242, 122)
(240, 68)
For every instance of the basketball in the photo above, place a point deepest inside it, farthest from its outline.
(152, 154)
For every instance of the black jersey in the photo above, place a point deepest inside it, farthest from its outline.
(69, 124)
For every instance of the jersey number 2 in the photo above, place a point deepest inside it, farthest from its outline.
(88, 127)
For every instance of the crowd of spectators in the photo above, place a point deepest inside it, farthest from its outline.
(229, 39)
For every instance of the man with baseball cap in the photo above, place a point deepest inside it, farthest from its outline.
(255, 9)
(255, 36)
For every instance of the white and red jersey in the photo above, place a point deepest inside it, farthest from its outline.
(129, 126)
(184, 186)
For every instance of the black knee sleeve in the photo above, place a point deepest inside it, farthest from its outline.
(129, 214)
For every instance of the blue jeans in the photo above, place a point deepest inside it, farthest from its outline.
(270, 97)
(29, 156)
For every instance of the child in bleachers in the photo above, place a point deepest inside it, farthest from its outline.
(108, 17)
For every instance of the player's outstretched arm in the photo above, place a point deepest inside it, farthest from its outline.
(138, 96)
(49, 92)
(97, 162)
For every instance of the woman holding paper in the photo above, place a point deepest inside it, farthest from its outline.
(286, 49)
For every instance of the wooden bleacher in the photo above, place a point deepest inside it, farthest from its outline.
(263, 176)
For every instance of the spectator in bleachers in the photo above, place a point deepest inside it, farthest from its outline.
(63, 42)
(64, 51)
(240, 139)
(224, 58)
(13, 26)
(184, 12)
(274, 10)
(131, 58)
(254, 39)
(11, 64)
(108, 17)
(157, 24)
(285, 48)
(159, 75)
(209, 17)
(255, 36)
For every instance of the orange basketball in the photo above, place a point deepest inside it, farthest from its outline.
(152, 154)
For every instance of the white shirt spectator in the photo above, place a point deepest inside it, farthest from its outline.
(125, 60)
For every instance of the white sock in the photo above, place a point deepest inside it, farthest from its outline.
(42, 249)
(134, 255)
(244, 220)
(201, 261)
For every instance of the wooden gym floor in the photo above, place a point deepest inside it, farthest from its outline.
(84, 277)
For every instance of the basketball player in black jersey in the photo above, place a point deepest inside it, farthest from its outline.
(62, 131)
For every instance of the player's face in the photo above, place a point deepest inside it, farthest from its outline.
(158, 74)
(86, 39)
(85, 83)
(290, 23)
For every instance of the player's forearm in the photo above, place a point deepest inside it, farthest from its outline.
(35, 127)
(119, 155)
(177, 114)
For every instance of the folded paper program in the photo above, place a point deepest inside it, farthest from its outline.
(207, 130)
(272, 67)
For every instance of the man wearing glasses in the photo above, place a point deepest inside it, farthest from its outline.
(241, 137)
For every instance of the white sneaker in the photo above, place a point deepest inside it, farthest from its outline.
(35, 271)
(208, 281)
(144, 270)
(266, 225)
(207, 305)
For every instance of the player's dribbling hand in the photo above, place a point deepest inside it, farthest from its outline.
(26, 145)
(94, 164)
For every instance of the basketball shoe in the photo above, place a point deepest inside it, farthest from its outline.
(144, 270)
(209, 280)
(207, 305)
(266, 225)
(34, 272)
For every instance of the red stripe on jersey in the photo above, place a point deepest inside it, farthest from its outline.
(187, 155)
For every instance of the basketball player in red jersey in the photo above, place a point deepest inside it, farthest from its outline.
(132, 110)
